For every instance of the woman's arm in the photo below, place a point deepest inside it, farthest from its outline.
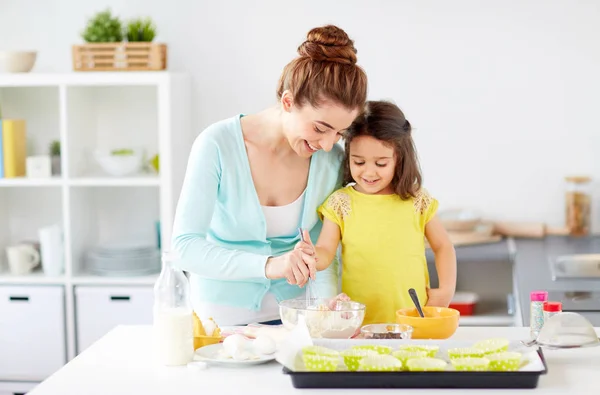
(445, 263)
(193, 216)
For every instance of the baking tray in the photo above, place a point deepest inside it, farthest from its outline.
(521, 379)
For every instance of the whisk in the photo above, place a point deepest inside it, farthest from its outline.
(310, 292)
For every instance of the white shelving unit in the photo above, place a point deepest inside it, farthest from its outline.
(87, 111)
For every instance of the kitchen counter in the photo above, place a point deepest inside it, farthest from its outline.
(121, 363)
(532, 269)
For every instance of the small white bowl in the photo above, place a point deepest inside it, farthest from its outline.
(17, 61)
(119, 165)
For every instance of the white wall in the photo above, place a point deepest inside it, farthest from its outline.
(503, 94)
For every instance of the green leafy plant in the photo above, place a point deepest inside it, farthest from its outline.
(103, 28)
(55, 148)
(140, 30)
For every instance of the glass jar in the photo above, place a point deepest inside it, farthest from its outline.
(551, 308)
(578, 205)
(173, 315)
(536, 312)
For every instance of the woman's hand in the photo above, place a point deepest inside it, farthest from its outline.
(295, 266)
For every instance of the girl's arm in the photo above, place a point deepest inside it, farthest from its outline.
(327, 244)
(445, 263)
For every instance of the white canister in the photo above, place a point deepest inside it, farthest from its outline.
(52, 250)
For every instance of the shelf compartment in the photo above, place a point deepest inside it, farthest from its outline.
(39, 107)
(109, 118)
(111, 215)
(24, 213)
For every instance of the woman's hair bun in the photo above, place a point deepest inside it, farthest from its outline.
(328, 43)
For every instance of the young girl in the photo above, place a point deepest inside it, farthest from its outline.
(382, 220)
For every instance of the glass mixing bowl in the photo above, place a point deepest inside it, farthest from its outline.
(341, 322)
(566, 330)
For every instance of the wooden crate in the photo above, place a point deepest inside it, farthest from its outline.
(122, 56)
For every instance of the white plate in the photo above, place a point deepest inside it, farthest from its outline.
(214, 355)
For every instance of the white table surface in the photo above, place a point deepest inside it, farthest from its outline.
(121, 363)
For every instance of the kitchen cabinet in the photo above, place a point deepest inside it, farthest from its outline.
(86, 112)
(486, 270)
(32, 332)
(100, 309)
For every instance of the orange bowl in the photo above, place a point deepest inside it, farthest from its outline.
(438, 323)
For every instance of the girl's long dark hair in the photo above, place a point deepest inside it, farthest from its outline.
(386, 122)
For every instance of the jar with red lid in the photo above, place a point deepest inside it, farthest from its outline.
(551, 308)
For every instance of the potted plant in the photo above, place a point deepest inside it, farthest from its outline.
(140, 30)
(103, 28)
(55, 157)
(105, 48)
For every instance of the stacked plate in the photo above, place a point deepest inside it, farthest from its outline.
(123, 260)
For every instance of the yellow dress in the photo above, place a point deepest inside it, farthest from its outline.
(383, 248)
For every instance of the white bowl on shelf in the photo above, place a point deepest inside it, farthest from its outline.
(119, 165)
(17, 61)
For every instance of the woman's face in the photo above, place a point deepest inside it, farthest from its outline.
(309, 129)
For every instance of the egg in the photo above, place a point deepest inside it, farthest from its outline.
(209, 327)
(242, 355)
(234, 344)
(264, 344)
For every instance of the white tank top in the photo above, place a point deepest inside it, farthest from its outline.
(281, 221)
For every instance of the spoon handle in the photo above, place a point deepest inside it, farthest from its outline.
(415, 299)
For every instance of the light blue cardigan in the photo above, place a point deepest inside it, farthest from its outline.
(219, 231)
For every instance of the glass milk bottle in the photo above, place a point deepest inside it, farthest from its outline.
(173, 324)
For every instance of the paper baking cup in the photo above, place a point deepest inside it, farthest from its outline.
(320, 363)
(352, 358)
(430, 350)
(471, 364)
(382, 350)
(380, 363)
(504, 361)
(465, 352)
(492, 346)
(319, 350)
(426, 364)
(403, 356)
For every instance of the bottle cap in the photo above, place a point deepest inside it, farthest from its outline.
(539, 296)
(552, 307)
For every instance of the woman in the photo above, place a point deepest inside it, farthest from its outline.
(253, 180)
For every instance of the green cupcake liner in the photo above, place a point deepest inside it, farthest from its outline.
(505, 361)
(320, 363)
(492, 346)
(319, 350)
(382, 350)
(352, 358)
(404, 356)
(471, 364)
(465, 352)
(380, 363)
(426, 364)
(430, 350)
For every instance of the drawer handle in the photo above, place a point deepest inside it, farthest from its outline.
(120, 298)
(18, 298)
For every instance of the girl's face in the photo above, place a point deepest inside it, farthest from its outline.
(309, 129)
(372, 165)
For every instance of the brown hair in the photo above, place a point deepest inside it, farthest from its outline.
(325, 69)
(386, 122)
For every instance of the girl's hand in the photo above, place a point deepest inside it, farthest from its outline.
(307, 245)
(438, 297)
(339, 298)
